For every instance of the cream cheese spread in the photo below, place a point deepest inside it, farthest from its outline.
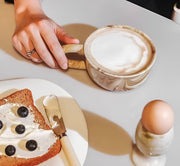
(8, 136)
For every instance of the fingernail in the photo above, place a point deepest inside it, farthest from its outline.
(76, 41)
(64, 66)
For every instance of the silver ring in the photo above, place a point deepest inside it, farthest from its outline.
(28, 53)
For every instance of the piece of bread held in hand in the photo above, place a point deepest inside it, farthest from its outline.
(25, 138)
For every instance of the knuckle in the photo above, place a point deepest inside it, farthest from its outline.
(41, 23)
(31, 27)
(19, 35)
(22, 34)
(63, 33)
(15, 41)
(14, 38)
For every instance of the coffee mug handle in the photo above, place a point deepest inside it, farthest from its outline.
(75, 48)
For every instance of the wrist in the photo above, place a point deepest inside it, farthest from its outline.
(31, 6)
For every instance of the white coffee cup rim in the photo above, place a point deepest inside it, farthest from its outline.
(106, 71)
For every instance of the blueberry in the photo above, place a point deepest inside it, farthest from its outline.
(10, 150)
(1, 124)
(31, 145)
(22, 111)
(20, 129)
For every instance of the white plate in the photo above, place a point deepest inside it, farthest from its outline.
(72, 114)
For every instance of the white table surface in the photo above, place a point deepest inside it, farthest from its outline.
(112, 117)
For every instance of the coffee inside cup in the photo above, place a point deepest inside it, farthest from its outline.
(120, 50)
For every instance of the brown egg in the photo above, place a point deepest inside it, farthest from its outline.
(158, 117)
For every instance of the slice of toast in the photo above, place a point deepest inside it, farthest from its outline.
(24, 97)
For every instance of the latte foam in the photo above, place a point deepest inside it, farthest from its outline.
(120, 51)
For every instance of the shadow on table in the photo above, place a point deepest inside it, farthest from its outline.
(7, 20)
(106, 136)
(7, 29)
(71, 112)
(80, 31)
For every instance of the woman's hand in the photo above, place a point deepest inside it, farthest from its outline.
(35, 31)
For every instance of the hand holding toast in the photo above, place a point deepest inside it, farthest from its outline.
(38, 37)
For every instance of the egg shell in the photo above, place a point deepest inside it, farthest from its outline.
(158, 117)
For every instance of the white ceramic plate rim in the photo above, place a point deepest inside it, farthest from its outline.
(79, 143)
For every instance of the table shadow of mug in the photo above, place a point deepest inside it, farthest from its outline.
(106, 136)
(77, 30)
(80, 31)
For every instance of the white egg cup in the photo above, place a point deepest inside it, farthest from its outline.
(150, 148)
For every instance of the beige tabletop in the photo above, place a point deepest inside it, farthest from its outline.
(111, 117)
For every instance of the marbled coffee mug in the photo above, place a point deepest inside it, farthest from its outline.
(117, 57)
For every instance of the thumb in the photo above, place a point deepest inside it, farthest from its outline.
(64, 37)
